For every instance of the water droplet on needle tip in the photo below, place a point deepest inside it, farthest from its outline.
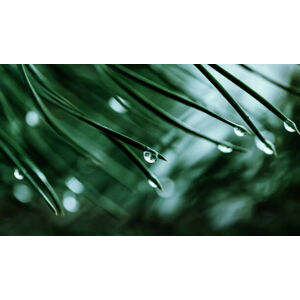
(238, 131)
(152, 184)
(18, 175)
(150, 157)
(224, 149)
(290, 126)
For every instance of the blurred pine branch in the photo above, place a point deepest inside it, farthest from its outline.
(80, 133)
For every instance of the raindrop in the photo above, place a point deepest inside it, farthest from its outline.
(117, 106)
(263, 147)
(18, 174)
(150, 157)
(238, 131)
(289, 126)
(152, 184)
(224, 149)
(32, 118)
(22, 192)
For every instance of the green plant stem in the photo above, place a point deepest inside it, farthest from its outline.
(105, 130)
(289, 89)
(68, 107)
(166, 116)
(54, 204)
(137, 162)
(173, 95)
(55, 125)
(235, 105)
(251, 92)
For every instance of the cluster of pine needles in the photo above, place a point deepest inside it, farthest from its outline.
(56, 99)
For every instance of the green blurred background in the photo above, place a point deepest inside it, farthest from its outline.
(206, 192)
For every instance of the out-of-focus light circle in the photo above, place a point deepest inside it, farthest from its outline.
(169, 188)
(32, 118)
(74, 185)
(70, 203)
(22, 193)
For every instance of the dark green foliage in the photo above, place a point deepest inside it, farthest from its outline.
(96, 123)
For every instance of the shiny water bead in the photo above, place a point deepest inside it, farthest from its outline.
(18, 175)
(239, 131)
(263, 147)
(289, 126)
(152, 184)
(224, 149)
(150, 157)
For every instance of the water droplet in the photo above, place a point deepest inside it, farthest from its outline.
(32, 118)
(238, 131)
(150, 157)
(152, 184)
(18, 174)
(290, 126)
(118, 106)
(74, 185)
(22, 192)
(70, 203)
(263, 147)
(224, 149)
